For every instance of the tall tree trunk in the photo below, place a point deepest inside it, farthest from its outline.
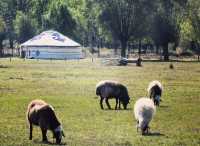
(157, 49)
(123, 49)
(166, 52)
(1, 49)
(11, 46)
(115, 48)
(139, 48)
(98, 46)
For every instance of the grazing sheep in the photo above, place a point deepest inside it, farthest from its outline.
(41, 114)
(111, 89)
(144, 109)
(155, 90)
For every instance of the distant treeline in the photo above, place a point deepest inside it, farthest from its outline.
(104, 23)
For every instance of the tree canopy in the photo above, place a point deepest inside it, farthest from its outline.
(103, 22)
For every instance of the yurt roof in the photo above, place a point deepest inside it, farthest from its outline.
(51, 38)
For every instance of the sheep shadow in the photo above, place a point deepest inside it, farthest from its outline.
(127, 143)
(154, 134)
(164, 106)
(49, 143)
(113, 109)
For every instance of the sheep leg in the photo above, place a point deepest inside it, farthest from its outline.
(119, 104)
(31, 130)
(101, 103)
(116, 104)
(148, 128)
(137, 126)
(44, 134)
(108, 103)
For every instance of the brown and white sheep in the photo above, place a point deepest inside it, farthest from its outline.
(41, 114)
(111, 89)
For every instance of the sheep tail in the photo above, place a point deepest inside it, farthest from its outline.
(98, 91)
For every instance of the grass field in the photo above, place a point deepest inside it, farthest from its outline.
(70, 87)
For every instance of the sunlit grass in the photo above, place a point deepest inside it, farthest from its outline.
(70, 87)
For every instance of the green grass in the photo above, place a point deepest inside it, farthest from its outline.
(70, 87)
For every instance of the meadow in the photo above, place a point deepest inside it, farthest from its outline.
(70, 87)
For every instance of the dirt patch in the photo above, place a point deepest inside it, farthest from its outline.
(16, 78)
(196, 130)
(3, 66)
(3, 89)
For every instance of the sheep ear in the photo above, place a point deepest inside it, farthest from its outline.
(63, 134)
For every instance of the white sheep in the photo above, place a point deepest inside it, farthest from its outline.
(144, 110)
(155, 90)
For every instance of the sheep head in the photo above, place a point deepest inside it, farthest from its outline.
(124, 96)
(58, 134)
(157, 100)
(125, 103)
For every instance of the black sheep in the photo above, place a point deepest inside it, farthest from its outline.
(111, 89)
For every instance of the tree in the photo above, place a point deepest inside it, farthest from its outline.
(25, 27)
(144, 13)
(164, 32)
(118, 16)
(59, 18)
(194, 17)
(23, 5)
(39, 12)
(2, 35)
(8, 11)
(127, 19)
(165, 29)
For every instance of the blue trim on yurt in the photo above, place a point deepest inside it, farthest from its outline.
(53, 55)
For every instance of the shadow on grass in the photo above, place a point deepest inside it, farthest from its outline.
(171, 60)
(127, 143)
(154, 134)
(164, 106)
(113, 109)
(49, 143)
(129, 109)
(3, 66)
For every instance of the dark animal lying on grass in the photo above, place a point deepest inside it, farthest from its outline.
(41, 114)
(112, 89)
(155, 90)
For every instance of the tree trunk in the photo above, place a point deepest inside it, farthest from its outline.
(1, 49)
(98, 46)
(139, 48)
(11, 45)
(123, 49)
(166, 52)
(157, 49)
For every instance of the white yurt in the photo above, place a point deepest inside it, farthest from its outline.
(51, 45)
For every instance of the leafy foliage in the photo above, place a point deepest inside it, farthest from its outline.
(59, 18)
(103, 22)
(25, 27)
(2, 34)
